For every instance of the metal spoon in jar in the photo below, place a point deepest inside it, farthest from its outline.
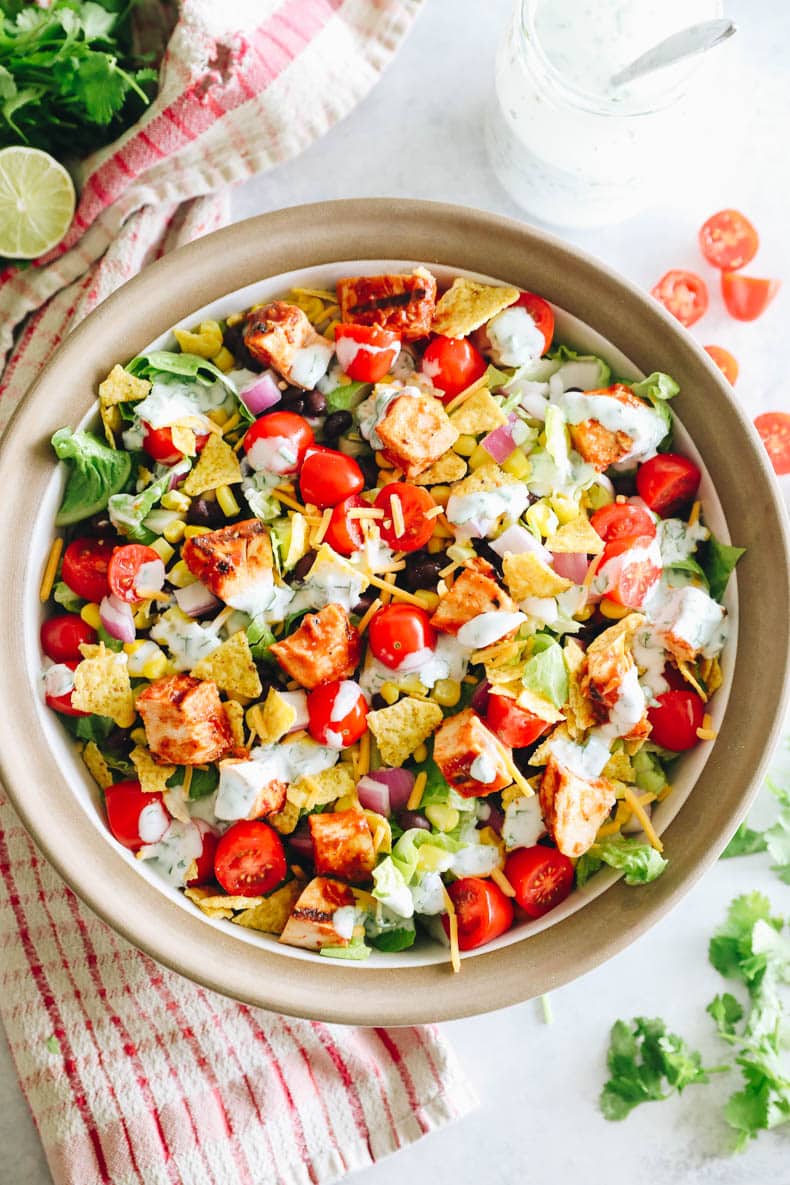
(685, 44)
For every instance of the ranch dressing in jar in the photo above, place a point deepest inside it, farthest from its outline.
(566, 145)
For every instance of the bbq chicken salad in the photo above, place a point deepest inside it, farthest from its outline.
(376, 611)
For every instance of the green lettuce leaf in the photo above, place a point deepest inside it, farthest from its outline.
(395, 940)
(260, 638)
(657, 387)
(127, 511)
(563, 354)
(545, 672)
(65, 597)
(437, 791)
(186, 366)
(96, 472)
(718, 561)
(356, 951)
(640, 862)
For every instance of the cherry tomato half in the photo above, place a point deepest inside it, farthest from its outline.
(366, 352)
(62, 703)
(726, 362)
(452, 364)
(278, 442)
(415, 502)
(684, 294)
(329, 477)
(621, 520)
(61, 637)
(130, 812)
(482, 909)
(728, 240)
(85, 564)
(513, 725)
(124, 569)
(250, 859)
(541, 313)
(774, 429)
(747, 297)
(344, 534)
(666, 482)
(542, 878)
(204, 873)
(158, 443)
(631, 580)
(397, 632)
(338, 713)
(676, 719)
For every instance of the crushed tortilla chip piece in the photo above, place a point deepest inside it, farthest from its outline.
(575, 537)
(274, 911)
(122, 387)
(446, 470)
(539, 706)
(97, 766)
(580, 714)
(712, 675)
(468, 304)
(526, 575)
(400, 728)
(209, 898)
(102, 686)
(235, 714)
(151, 776)
(619, 769)
(217, 465)
(323, 787)
(231, 667)
(285, 820)
(487, 477)
(479, 413)
(610, 640)
(184, 439)
(691, 679)
(275, 717)
(112, 422)
(543, 752)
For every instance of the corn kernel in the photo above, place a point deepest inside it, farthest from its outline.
(389, 692)
(90, 615)
(412, 686)
(440, 531)
(613, 610)
(205, 343)
(465, 446)
(133, 647)
(180, 575)
(156, 667)
(218, 417)
(489, 836)
(479, 457)
(441, 494)
(435, 545)
(138, 736)
(224, 360)
(585, 614)
(446, 692)
(542, 518)
(517, 465)
(429, 600)
(163, 550)
(143, 619)
(420, 753)
(564, 507)
(444, 818)
(175, 500)
(174, 532)
(227, 502)
(193, 532)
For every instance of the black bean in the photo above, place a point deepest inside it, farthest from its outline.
(314, 403)
(422, 570)
(292, 400)
(378, 702)
(336, 423)
(486, 552)
(233, 339)
(203, 513)
(364, 602)
(303, 566)
(370, 470)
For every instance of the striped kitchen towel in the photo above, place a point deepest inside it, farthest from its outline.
(134, 1075)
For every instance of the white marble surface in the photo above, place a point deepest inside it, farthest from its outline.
(419, 134)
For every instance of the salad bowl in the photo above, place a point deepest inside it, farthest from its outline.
(597, 312)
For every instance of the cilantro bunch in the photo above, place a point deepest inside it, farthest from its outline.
(68, 80)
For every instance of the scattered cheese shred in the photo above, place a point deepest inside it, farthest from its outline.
(513, 770)
(398, 521)
(388, 587)
(499, 878)
(322, 528)
(369, 614)
(694, 516)
(449, 570)
(689, 677)
(455, 957)
(590, 573)
(366, 512)
(415, 798)
(287, 500)
(51, 567)
(707, 732)
(434, 512)
(187, 780)
(363, 755)
(231, 423)
(636, 806)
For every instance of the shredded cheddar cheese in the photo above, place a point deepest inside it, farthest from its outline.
(455, 956)
(287, 500)
(689, 677)
(636, 806)
(499, 878)
(707, 732)
(415, 798)
(50, 569)
(322, 528)
(389, 589)
(187, 780)
(398, 521)
(370, 613)
(434, 512)
(363, 755)
(694, 515)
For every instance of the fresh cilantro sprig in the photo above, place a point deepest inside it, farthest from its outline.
(647, 1063)
(775, 839)
(68, 81)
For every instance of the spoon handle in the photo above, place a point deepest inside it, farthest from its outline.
(694, 40)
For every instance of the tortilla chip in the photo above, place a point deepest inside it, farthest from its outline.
(487, 477)
(712, 675)
(285, 820)
(576, 536)
(102, 686)
(632, 747)
(580, 715)
(322, 788)
(539, 706)
(176, 802)
(526, 575)
(544, 750)
(97, 766)
(151, 776)
(122, 387)
(112, 422)
(468, 304)
(275, 718)
(217, 465)
(209, 898)
(235, 714)
(274, 911)
(231, 667)
(183, 439)
(400, 728)
(619, 769)
(479, 413)
(299, 541)
(617, 638)
(446, 470)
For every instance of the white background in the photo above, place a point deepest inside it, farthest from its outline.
(419, 134)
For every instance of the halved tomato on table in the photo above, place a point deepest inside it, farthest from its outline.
(747, 297)
(774, 429)
(482, 910)
(728, 240)
(684, 294)
(726, 362)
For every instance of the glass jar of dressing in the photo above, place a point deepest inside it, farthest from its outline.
(569, 147)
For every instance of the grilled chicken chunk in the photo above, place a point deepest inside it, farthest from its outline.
(403, 303)
(342, 845)
(573, 808)
(415, 432)
(312, 922)
(475, 591)
(469, 756)
(185, 722)
(232, 560)
(599, 446)
(325, 647)
(280, 335)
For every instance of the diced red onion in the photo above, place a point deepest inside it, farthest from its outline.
(518, 539)
(262, 394)
(479, 701)
(116, 617)
(499, 444)
(400, 783)
(572, 565)
(302, 843)
(495, 818)
(374, 795)
(195, 599)
(409, 819)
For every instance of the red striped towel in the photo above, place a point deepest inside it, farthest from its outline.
(135, 1076)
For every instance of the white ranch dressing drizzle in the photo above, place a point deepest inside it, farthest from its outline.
(240, 782)
(483, 768)
(187, 641)
(477, 514)
(309, 364)
(275, 454)
(345, 700)
(629, 707)
(487, 628)
(514, 338)
(173, 854)
(523, 825)
(587, 760)
(58, 679)
(347, 351)
(645, 426)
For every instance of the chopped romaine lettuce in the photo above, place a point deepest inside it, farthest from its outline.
(65, 597)
(656, 387)
(718, 561)
(260, 638)
(395, 940)
(640, 862)
(96, 472)
(545, 672)
(127, 511)
(188, 366)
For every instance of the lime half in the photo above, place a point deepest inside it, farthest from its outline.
(36, 202)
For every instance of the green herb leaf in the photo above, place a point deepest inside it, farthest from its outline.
(744, 842)
(646, 1063)
(726, 1012)
(96, 471)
